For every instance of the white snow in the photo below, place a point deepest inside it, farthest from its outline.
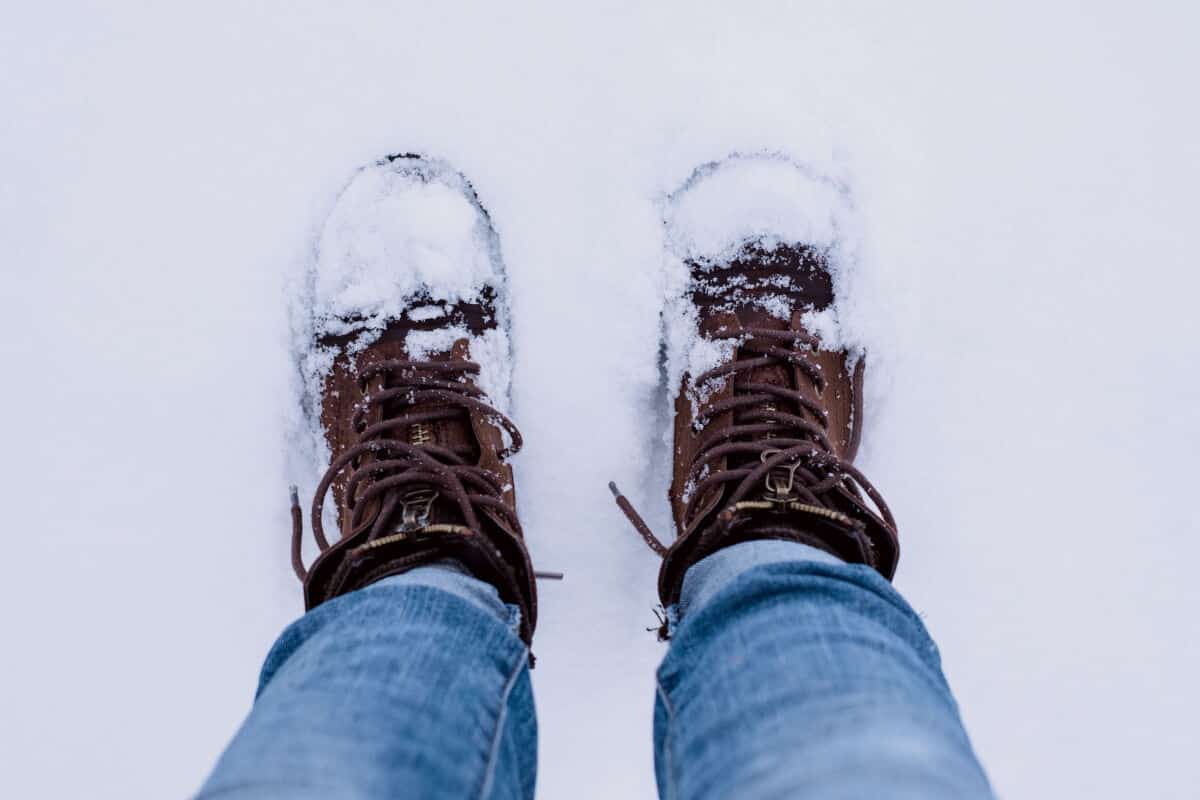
(400, 228)
(753, 197)
(420, 345)
(427, 312)
(1023, 175)
(824, 325)
(491, 351)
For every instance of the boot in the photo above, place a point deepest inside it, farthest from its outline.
(409, 373)
(767, 416)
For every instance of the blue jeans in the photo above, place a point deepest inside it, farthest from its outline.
(789, 674)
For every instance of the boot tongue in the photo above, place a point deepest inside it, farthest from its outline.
(418, 504)
(767, 289)
(453, 431)
(783, 375)
(773, 374)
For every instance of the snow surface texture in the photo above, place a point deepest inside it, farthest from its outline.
(1024, 175)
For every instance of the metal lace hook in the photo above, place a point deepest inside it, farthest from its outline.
(770, 480)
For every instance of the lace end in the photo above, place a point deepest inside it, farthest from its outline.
(663, 628)
(297, 534)
(636, 520)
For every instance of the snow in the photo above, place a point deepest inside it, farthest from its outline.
(490, 350)
(757, 197)
(400, 228)
(1022, 176)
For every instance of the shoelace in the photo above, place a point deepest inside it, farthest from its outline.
(411, 469)
(795, 459)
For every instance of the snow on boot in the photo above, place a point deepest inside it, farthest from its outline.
(407, 373)
(767, 404)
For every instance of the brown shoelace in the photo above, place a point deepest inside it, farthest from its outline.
(400, 467)
(789, 454)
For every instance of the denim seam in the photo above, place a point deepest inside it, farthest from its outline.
(667, 751)
(245, 786)
(489, 774)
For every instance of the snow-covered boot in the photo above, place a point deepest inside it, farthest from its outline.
(408, 372)
(767, 414)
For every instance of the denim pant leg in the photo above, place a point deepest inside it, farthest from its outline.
(416, 686)
(793, 674)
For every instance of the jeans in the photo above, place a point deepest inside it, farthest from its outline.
(789, 674)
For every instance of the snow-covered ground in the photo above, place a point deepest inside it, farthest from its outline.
(1025, 176)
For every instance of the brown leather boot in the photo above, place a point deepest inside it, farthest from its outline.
(409, 370)
(767, 418)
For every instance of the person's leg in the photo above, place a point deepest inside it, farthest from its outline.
(408, 677)
(415, 686)
(795, 669)
(794, 674)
